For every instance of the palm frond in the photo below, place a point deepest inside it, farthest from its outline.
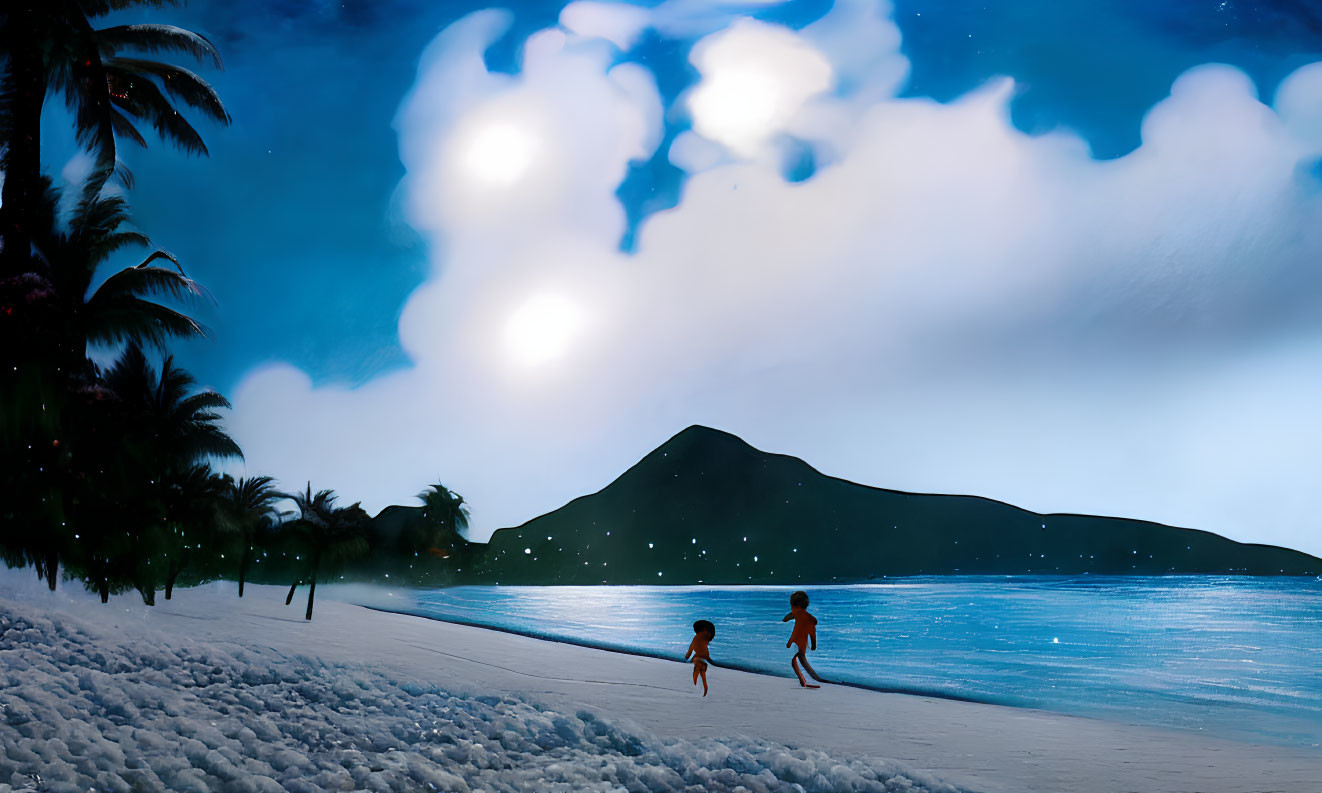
(204, 401)
(97, 213)
(78, 67)
(141, 281)
(177, 82)
(160, 254)
(140, 98)
(157, 38)
(130, 318)
(210, 442)
(255, 494)
(110, 243)
(122, 126)
(174, 385)
(314, 511)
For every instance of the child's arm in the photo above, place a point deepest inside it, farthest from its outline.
(787, 617)
(689, 651)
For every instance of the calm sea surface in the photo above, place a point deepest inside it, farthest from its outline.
(1235, 657)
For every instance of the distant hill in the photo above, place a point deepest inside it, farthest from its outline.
(392, 527)
(706, 507)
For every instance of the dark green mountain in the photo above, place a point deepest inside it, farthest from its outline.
(706, 507)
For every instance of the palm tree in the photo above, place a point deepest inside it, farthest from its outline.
(444, 516)
(54, 417)
(327, 534)
(178, 428)
(166, 436)
(73, 314)
(191, 533)
(249, 511)
(52, 46)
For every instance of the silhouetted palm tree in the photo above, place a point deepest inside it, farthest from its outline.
(52, 46)
(165, 437)
(192, 532)
(328, 536)
(249, 512)
(54, 414)
(67, 261)
(175, 427)
(444, 516)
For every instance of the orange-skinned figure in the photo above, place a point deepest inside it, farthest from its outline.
(805, 631)
(703, 633)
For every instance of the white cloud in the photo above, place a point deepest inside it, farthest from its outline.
(755, 78)
(947, 305)
(618, 23)
(693, 18)
(1297, 103)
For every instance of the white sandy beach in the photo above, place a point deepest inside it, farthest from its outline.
(246, 695)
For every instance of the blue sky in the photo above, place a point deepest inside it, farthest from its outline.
(312, 226)
(297, 194)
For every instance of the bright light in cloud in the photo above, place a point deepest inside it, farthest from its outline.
(542, 328)
(755, 77)
(737, 105)
(998, 313)
(499, 153)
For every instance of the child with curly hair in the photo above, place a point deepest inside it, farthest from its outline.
(805, 630)
(703, 633)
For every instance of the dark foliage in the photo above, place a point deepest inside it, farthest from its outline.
(52, 47)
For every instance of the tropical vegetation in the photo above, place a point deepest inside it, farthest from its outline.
(110, 474)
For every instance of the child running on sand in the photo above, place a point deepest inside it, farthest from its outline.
(703, 632)
(805, 629)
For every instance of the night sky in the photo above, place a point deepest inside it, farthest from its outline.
(1066, 255)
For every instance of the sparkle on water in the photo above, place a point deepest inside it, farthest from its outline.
(1234, 656)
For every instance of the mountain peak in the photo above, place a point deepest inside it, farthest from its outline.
(700, 433)
(707, 507)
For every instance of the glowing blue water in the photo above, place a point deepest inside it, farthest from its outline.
(1236, 657)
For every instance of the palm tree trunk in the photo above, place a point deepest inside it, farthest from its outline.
(148, 592)
(312, 592)
(244, 561)
(104, 587)
(26, 78)
(290, 597)
(52, 568)
(312, 588)
(175, 569)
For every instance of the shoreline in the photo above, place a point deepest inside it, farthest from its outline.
(619, 650)
(982, 748)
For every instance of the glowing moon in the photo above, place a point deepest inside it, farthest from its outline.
(498, 154)
(542, 329)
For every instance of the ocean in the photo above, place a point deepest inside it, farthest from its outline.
(1235, 657)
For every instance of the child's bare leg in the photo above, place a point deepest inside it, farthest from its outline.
(703, 673)
(794, 662)
(799, 656)
(695, 674)
(808, 667)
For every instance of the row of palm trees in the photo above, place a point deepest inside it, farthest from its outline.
(107, 470)
(112, 478)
